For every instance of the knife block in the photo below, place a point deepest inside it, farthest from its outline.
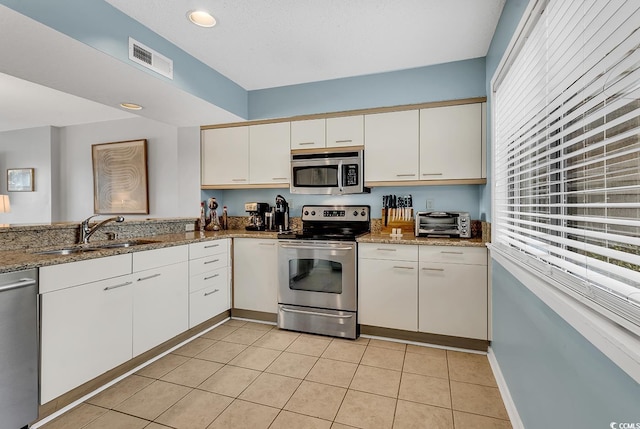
(406, 225)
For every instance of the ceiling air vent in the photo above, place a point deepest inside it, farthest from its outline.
(149, 58)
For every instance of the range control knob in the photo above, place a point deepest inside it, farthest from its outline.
(363, 213)
(313, 213)
(306, 212)
(355, 212)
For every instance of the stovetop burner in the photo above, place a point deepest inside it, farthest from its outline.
(335, 223)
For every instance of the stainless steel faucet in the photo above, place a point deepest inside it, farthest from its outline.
(86, 231)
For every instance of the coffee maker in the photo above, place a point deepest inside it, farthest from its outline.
(281, 214)
(256, 215)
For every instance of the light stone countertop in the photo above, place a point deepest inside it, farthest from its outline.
(16, 260)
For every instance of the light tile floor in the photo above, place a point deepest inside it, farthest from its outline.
(250, 375)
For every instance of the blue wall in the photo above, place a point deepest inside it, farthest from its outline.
(450, 81)
(464, 198)
(557, 378)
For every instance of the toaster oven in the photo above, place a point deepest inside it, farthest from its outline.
(443, 224)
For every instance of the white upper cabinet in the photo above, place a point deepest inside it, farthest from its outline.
(269, 153)
(308, 134)
(391, 146)
(345, 131)
(225, 156)
(451, 142)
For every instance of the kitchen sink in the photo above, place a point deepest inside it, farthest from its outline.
(66, 251)
(118, 245)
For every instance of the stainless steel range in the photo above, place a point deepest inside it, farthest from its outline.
(317, 271)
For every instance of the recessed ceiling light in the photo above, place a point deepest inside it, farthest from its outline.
(201, 18)
(131, 106)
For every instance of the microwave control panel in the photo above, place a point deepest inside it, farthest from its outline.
(350, 175)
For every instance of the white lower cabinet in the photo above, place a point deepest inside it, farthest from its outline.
(209, 280)
(453, 291)
(388, 286)
(432, 289)
(255, 283)
(85, 329)
(160, 296)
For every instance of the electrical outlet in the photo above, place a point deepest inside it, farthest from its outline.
(429, 204)
(291, 206)
(190, 227)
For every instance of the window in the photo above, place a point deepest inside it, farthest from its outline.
(567, 152)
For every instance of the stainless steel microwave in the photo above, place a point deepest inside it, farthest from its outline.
(330, 171)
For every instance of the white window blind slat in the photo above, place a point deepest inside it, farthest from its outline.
(567, 152)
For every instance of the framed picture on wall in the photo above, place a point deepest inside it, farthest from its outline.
(20, 179)
(120, 177)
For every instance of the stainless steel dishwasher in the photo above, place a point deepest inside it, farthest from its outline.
(18, 349)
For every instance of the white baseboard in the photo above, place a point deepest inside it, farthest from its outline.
(514, 416)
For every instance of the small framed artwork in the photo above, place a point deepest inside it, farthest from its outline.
(120, 177)
(20, 179)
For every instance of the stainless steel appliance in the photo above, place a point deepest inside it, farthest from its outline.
(439, 224)
(317, 271)
(256, 216)
(329, 171)
(18, 348)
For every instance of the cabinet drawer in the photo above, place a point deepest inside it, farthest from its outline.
(208, 248)
(454, 255)
(396, 252)
(210, 263)
(217, 277)
(62, 276)
(159, 257)
(206, 303)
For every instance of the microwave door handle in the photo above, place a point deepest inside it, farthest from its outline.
(340, 187)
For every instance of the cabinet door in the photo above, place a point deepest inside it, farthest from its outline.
(451, 142)
(225, 156)
(269, 153)
(211, 297)
(388, 294)
(160, 305)
(345, 131)
(255, 282)
(308, 134)
(391, 146)
(453, 300)
(85, 331)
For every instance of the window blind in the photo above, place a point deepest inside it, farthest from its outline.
(567, 153)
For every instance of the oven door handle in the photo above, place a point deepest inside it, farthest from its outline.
(315, 313)
(303, 247)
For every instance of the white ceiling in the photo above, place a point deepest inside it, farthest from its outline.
(256, 43)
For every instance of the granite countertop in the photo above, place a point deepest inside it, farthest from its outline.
(15, 260)
(410, 238)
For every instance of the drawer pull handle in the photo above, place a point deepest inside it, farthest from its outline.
(211, 262)
(211, 277)
(433, 269)
(306, 143)
(386, 250)
(344, 141)
(432, 174)
(149, 277)
(211, 245)
(279, 178)
(452, 253)
(402, 268)
(117, 286)
(267, 244)
(238, 180)
(314, 313)
(405, 175)
(212, 292)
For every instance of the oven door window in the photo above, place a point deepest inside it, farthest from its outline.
(315, 176)
(315, 275)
